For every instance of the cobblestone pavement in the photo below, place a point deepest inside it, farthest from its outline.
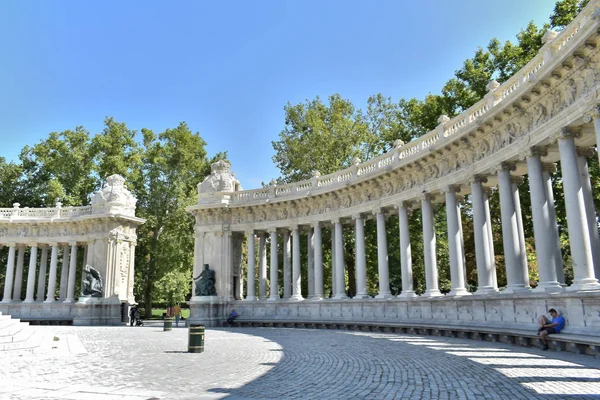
(275, 363)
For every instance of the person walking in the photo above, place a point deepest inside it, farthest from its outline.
(177, 313)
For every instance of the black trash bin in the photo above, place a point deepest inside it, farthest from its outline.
(196, 339)
(168, 324)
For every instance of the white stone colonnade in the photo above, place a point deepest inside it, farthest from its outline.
(55, 244)
(547, 113)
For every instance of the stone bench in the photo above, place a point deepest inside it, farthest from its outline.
(580, 344)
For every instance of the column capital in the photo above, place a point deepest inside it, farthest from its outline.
(566, 132)
(293, 227)
(72, 244)
(533, 151)
(250, 232)
(407, 204)
(316, 224)
(586, 152)
(549, 167)
(357, 216)
(517, 179)
(451, 189)
(336, 220)
(477, 179)
(425, 197)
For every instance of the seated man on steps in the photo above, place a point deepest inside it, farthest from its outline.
(550, 326)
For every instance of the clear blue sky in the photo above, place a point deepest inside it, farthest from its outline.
(227, 68)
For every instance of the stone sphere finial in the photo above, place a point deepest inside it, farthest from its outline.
(16, 205)
(493, 85)
(398, 143)
(443, 119)
(316, 174)
(273, 182)
(356, 161)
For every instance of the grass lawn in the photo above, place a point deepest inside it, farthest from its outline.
(158, 312)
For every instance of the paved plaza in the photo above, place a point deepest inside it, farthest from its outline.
(274, 363)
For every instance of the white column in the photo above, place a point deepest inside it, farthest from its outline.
(250, 295)
(274, 292)
(382, 257)
(262, 266)
(524, 271)
(482, 244)
(340, 283)
(579, 238)
(490, 236)
(297, 277)
(590, 210)
(52, 274)
(333, 263)
(542, 225)
(318, 261)
(455, 244)
(72, 273)
(31, 273)
(8, 279)
(41, 287)
(361, 258)
(311, 262)
(429, 248)
(64, 273)
(19, 274)
(596, 113)
(287, 265)
(510, 234)
(405, 253)
(558, 260)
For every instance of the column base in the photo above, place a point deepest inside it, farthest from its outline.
(317, 297)
(296, 298)
(28, 301)
(459, 292)
(387, 295)
(549, 287)
(250, 298)
(432, 293)
(50, 301)
(361, 296)
(487, 290)
(408, 294)
(583, 285)
(517, 289)
(340, 296)
(6, 301)
(273, 299)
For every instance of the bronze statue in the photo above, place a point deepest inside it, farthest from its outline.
(92, 282)
(205, 282)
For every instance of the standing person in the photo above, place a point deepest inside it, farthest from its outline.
(177, 313)
(132, 315)
(170, 311)
(548, 326)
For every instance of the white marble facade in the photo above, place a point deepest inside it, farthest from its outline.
(105, 232)
(548, 112)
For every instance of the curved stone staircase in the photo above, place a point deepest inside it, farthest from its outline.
(18, 338)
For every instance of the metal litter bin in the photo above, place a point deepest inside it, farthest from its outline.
(196, 339)
(168, 324)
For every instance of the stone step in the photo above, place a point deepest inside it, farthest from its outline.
(31, 343)
(7, 327)
(20, 334)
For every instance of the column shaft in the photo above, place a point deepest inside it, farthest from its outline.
(274, 276)
(382, 258)
(510, 234)
(318, 261)
(52, 274)
(558, 261)
(297, 277)
(8, 279)
(19, 274)
(590, 211)
(250, 291)
(524, 271)
(340, 284)
(311, 263)
(482, 244)
(405, 253)
(333, 263)
(361, 258)
(64, 273)
(287, 267)
(72, 273)
(41, 288)
(490, 237)
(262, 267)
(429, 249)
(31, 272)
(455, 246)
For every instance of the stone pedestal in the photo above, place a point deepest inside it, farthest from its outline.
(209, 311)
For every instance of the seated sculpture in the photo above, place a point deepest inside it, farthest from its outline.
(92, 282)
(205, 282)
